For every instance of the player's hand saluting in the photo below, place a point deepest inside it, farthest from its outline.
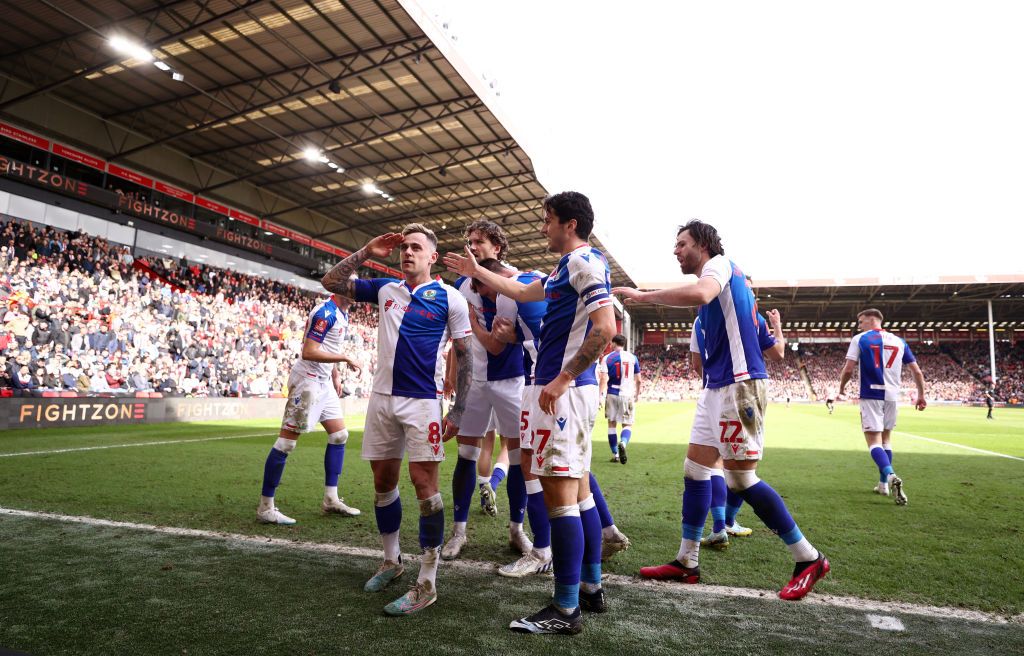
(382, 245)
(628, 294)
(464, 266)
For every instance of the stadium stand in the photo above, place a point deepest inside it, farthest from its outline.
(83, 316)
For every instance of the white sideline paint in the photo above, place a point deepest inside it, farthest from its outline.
(124, 446)
(886, 623)
(959, 446)
(816, 599)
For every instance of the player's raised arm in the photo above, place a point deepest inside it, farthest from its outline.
(777, 351)
(467, 266)
(338, 279)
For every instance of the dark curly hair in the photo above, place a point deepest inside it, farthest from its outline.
(704, 235)
(494, 233)
(569, 205)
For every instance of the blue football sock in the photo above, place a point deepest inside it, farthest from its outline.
(432, 530)
(883, 478)
(882, 460)
(696, 504)
(591, 571)
(539, 522)
(516, 490)
(718, 494)
(497, 476)
(613, 441)
(389, 517)
(733, 503)
(600, 503)
(272, 471)
(626, 434)
(771, 509)
(567, 559)
(334, 459)
(463, 485)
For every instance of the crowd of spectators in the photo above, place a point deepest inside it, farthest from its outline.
(954, 372)
(78, 315)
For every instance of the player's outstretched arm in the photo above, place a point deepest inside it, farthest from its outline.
(338, 279)
(465, 265)
(700, 293)
(601, 332)
(464, 355)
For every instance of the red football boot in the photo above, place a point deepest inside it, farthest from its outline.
(804, 580)
(673, 571)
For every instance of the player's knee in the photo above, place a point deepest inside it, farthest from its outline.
(431, 505)
(383, 499)
(284, 445)
(698, 472)
(741, 479)
(339, 437)
(469, 452)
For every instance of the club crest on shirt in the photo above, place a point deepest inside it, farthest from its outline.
(430, 294)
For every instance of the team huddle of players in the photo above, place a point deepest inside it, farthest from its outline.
(527, 358)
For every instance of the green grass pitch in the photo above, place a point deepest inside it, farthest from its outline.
(72, 588)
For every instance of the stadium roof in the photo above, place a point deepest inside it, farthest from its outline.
(811, 303)
(275, 95)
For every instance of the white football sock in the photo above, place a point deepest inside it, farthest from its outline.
(459, 528)
(428, 567)
(331, 492)
(802, 551)
(392, 549)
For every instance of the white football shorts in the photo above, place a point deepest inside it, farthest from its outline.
(503, 397)
(877, 415)
(731, 419)
(396, 424)
(619, 409)
(310, 401)
(561, 442)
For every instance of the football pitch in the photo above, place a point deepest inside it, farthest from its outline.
(179, 565)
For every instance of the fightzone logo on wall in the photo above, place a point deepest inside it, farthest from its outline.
(66, 411)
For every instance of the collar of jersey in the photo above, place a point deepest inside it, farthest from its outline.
(412, 290)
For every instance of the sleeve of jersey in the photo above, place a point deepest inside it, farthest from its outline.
(908, 355)
(458, 317)
(693, 341)
(853, 353)
(367, 290)
(636, 366)
(602, 365)
(319, 326)
(590, 280)
(718, 268)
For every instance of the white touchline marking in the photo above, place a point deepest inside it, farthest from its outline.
(124, 446)
(886, 623)
(959, 446)
(815, 598)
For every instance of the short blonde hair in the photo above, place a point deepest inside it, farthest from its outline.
(413, 228)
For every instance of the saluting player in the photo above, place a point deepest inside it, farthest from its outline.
(417, 316)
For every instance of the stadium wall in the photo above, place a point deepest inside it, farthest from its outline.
(44, 412)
